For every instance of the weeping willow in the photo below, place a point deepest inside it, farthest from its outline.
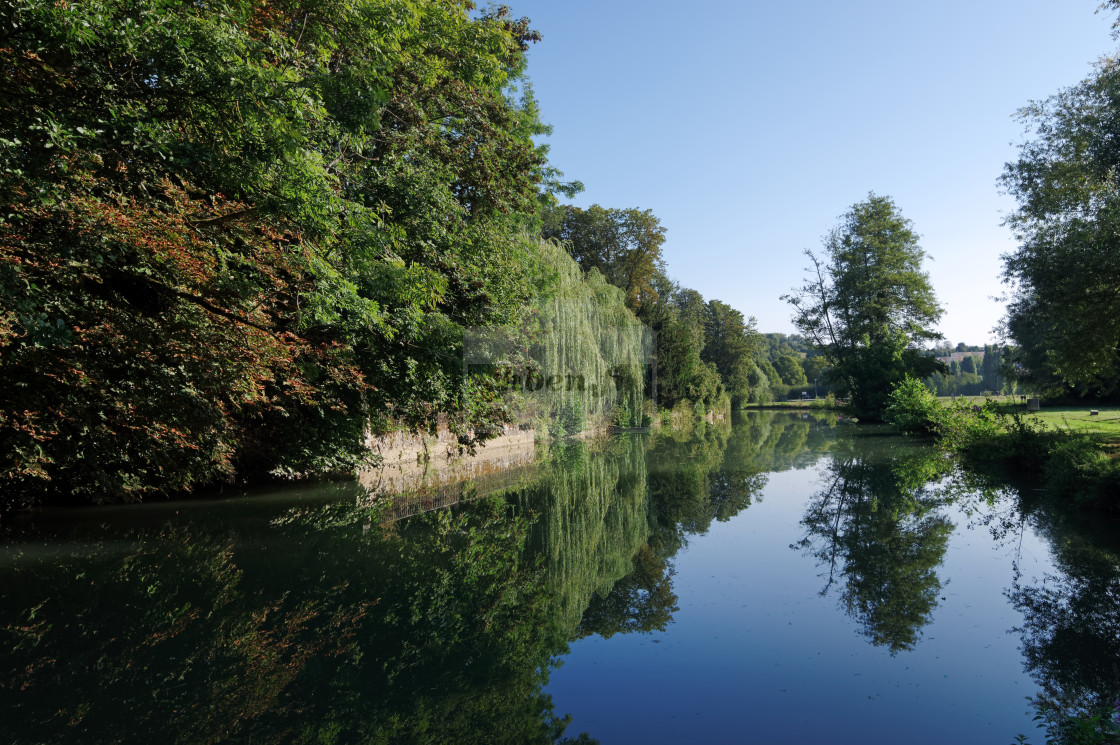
(592, 351)
(593, 517)
(580, 358)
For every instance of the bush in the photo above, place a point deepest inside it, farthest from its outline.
(570, 418)
(1071, 465)
(1078, 467)
(912, 408)
(972, 430)
(828, 402)
(1026, 441)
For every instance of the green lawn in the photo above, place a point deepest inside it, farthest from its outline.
(981, 399)
(807, 403)
(1078, 419)
(1071, 418)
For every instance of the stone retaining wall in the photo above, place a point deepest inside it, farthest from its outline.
(425, 469)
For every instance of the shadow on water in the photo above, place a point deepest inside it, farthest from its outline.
(316, 619)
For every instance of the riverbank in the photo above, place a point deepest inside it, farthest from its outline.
(424, 472)
(1074, 453)
(810, 403)
(431, 470)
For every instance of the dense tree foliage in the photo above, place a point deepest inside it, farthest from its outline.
(791, 365)
(735, 348)
(868, 304)
(790, 370)
(974, 375)
(578, 360)
(624, 245)
(231, 234)
(704, 349)
(237, 238)
(683, 374)
(1064, 313)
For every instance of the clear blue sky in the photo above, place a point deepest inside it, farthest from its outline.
(749, 128)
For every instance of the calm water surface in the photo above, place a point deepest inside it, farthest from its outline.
(787, 578)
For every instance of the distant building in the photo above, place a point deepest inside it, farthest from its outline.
(958, 356)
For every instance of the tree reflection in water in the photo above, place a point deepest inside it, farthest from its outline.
(1071, 617)
(1071, 626)
(875, 526)
(642, 601)
(322, 624)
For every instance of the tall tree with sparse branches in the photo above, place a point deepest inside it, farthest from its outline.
(868, 305)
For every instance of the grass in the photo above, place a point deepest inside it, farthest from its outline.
(805, 403)
(1076, 454)
(1077, 419)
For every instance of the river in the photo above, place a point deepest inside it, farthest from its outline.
(783, 578)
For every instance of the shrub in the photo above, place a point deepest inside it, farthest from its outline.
(1079, 468)
(974, 430)
(912, 408)
(570, 418)
(828, 402)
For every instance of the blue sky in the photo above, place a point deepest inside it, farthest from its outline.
(749, 128)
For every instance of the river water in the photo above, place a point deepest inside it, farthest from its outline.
(785, 578)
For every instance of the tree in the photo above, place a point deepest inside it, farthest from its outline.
(232, 233)
(623, 244)
(990, 368)
(734, 346)
(676, 316)
(790, 369)
(868, 306)
(816, 370)
(1064, 313)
